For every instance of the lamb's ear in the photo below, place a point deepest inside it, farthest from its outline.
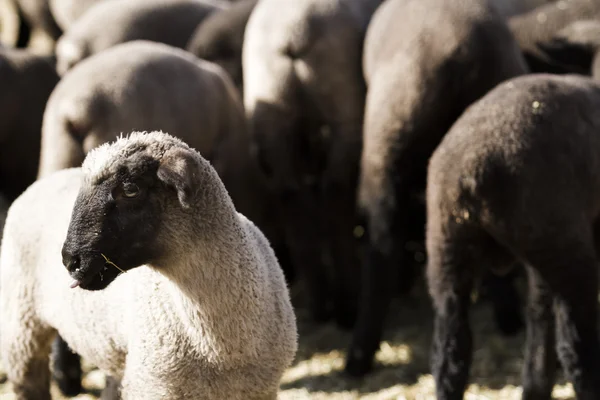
(180, 169)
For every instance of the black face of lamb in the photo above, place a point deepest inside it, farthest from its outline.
(113, 227)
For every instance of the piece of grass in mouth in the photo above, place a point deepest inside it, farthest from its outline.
(112, 263)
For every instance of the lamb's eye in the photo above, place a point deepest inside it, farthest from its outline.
(130, 190)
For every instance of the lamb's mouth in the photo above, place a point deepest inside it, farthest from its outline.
(96, 274)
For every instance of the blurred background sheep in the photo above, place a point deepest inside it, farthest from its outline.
(291, 157)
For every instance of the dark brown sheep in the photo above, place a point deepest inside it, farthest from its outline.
(516, 180)
(425, 61)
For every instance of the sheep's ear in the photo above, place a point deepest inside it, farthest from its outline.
(180, 170)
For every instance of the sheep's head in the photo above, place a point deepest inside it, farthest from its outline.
(128, 188)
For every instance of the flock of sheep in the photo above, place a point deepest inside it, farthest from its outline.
(168, 168)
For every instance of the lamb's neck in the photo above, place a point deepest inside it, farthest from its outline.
(215, 293)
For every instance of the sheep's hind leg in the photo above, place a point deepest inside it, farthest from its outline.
(451, 267)
(26, 356)
(569, 266)
(539, 369)
(381, 266)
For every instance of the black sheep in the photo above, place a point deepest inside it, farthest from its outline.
(516, 180)
(424, 61)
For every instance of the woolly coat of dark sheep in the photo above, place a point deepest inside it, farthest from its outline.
(169, 22)
(425, 61)
(516, 179)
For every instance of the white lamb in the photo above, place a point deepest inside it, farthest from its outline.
(205, 315)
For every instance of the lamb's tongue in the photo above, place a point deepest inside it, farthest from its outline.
(74, 284)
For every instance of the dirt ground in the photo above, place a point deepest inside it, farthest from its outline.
(402, 370)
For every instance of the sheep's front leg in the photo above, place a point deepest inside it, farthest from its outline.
(452, 343)
(539, 369)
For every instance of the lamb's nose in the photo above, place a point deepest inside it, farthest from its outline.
(69, 260)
